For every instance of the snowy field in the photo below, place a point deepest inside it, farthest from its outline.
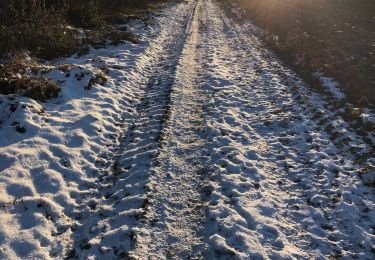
(196, 143)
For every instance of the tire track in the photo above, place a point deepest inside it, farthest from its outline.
(175, 214)
(108, 220)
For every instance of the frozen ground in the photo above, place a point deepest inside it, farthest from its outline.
(196, 143)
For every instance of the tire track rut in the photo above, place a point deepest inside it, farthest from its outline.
(108, 220)
(175, 213)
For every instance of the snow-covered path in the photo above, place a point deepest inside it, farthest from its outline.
(175, 213)
(246, 167)
(224, 153)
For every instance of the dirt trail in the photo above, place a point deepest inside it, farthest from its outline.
(175, 212)
(199, 143)
(230, 155)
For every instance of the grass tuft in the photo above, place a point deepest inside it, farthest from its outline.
(14, 80)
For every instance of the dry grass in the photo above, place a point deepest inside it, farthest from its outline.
(336, 37)
(14, 80)
(47, 29)
(46, 42)
(36, 88)
(108, 34)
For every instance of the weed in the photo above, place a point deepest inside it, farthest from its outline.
(96, 79)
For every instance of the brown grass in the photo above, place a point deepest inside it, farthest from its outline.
(336, 37)
(47, 28)
(33, 87)
(46, 42)
(14, 80)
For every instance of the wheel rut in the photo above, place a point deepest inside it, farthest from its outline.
(175, 213)
(108, 221)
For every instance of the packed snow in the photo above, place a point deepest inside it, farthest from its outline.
(196, 143)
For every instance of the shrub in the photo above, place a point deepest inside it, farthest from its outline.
(36, 88)
(46, 42)
(12, 82)
(41, 26)
(85, 13)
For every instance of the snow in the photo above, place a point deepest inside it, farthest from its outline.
(198, 142)
(49, 151)
(368, 117)
(332, 86)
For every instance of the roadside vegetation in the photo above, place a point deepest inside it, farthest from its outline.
(333, 37)
(50, 29)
